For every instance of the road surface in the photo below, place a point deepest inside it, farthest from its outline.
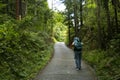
(62, 66)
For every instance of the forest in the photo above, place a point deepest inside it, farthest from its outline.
(97, 23)
(29, 29)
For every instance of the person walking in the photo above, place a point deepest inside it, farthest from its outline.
(78, 52)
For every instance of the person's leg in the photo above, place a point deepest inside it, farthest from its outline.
(79, 60)
(76, 63)
(76, 60)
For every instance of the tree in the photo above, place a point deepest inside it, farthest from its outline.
(115, 4)
(100, 37)
(109, 27)
(74, 15)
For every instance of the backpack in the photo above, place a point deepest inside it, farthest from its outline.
(77, 45)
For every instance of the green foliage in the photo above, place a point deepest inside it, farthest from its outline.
(106, 66)
(90, 4)
(25, 23)
(22, 54)
(100, 30)
(25, 45)
(2, 5)
(59, 29)
(60, 32)
(114, 46)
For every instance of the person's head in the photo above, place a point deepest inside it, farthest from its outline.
(77, 39)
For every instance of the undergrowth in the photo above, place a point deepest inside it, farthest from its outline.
(106, 66)
(22, 52)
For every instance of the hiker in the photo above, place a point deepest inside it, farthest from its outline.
(78, 52)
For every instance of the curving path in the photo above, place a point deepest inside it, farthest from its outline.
(62, 66)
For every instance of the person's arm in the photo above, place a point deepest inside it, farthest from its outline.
(82, 43)
(72, 43)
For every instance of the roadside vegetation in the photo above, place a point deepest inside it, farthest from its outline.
(29, 29)
(97, 23)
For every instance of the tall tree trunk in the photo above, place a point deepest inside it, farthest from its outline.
(116, 19)
(114, 2)
(24, 8)
(81, 19)
(99, 25)
(69, 26)
(20, 8)
(109, 31)
(75, 17)
(7, 7)
(69, 21)
(17, 9)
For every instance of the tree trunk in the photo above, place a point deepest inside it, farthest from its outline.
(116, 19)
(17, 9)
(75, 17)
(115, 14)
(81, 19)
(7, 7)
(24, 8)
(20, 8)
(69, 30)
(99, 25)
(69, 27)
(109, 31)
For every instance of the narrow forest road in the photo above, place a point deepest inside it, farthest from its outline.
(62, 66)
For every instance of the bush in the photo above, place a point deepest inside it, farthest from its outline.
(22, 54)
(106, 67)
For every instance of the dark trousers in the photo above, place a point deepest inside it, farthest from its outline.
(78, 56)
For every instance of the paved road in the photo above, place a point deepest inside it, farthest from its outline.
(62, 66)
